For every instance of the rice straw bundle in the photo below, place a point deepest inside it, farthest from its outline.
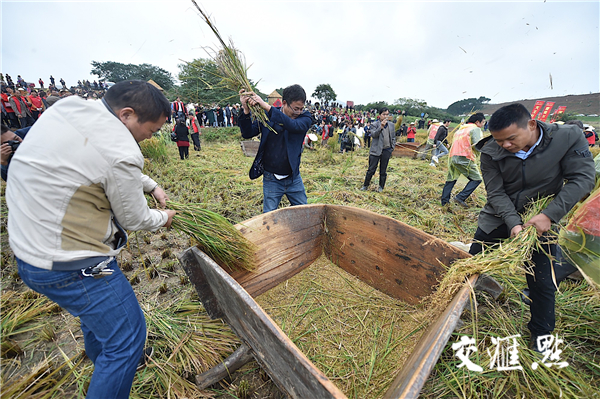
(233, 71)
(510, 257)
(218, 238)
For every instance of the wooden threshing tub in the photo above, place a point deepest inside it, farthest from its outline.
(408, 150)
(394, 258)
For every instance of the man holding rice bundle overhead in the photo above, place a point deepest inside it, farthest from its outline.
(76, 185)
(279, 152)
(522, 160)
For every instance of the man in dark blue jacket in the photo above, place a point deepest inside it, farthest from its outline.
(278, 156)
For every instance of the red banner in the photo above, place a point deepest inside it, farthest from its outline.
(536, 108)
(559, 111)
(546, 111)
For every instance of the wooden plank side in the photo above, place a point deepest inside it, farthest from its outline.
(389, 255)
(250, 147)
(198, 279)
(289, 368)
(423, 358)
(288, 240)
(408, 150)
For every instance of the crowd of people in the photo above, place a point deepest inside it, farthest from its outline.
(22, 103)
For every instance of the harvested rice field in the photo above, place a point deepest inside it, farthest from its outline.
(364, 342)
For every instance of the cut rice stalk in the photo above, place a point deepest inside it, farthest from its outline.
(233, 71)
(510, 257)
(215, 235)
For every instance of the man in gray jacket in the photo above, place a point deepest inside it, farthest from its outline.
(525, 159)
(384, 140)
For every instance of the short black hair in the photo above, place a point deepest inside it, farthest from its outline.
(4, 129)
(293, 93)
(447, 120)
(146, 100)
(384, 109)
(510, 114)
(476, 117)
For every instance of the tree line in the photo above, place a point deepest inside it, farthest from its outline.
(200, 83)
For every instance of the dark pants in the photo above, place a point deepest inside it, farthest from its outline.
(25, 121)
(383, 161)
(196, 141)
(5, 119)
(184, 152)
(368, 141)
(14, 121)
(541, 286)
(463, 195)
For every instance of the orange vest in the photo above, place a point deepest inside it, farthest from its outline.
(433, 131)
(461, 145)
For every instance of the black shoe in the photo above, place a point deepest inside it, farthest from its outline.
(533, 344)
(146, 355)
(525, 297)
(460, 202)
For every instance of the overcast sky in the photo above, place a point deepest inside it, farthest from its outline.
(439, 52)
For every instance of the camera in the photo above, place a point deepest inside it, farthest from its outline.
(14, 144)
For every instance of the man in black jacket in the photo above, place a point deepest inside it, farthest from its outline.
(525, 159)
(279, 152)
(439, 141)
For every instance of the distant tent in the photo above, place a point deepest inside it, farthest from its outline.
(274, 99)
(153, 83)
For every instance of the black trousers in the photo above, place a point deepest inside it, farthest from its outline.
(541, 286)
(196, 141)
(463, 195)
(383, 161)
(14, 121)
(184, 152)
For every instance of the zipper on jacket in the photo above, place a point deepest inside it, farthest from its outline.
(522, 185)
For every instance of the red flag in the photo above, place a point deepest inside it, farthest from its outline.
(559, 111)
(546, 111)
(536, 108)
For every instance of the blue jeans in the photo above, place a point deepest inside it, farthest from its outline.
(113, 324)
(440, 149)
(274, 189)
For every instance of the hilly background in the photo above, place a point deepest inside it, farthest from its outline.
(579, 104)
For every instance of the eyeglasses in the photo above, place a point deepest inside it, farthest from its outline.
(296, 110)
